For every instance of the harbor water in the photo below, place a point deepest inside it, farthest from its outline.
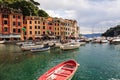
(97, 62)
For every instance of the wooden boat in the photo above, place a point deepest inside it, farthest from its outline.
(69, 46)
(40, 49)
(63, 71)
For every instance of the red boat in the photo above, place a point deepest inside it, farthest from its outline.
(63, 71)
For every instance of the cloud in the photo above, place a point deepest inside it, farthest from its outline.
(88, 13)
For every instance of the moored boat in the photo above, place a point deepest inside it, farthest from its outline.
(63, 71)
(29, 47)
(115, 41)
(25, 43)
(40, 49)
(1, 42)
(69, 46)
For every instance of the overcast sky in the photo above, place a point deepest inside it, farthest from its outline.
(92, 15)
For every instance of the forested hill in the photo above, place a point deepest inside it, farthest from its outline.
(115, 31)
(28, 7)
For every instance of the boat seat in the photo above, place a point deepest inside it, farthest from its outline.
(60, 74)
(70, 69)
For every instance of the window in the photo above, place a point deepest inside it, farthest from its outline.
(50, 28)
(19, 31)
(30, 32)
(58, 28)
(14, 30)
(30, 27)
(43, 32)
(5, 16)
(38, 27)
(58, 33)
(19, 23)
(35, 22)
(14, 23)
(35, 27)
(13, 16)
(5, 29)
(30, 22)
(55, 24)
(43, 23)
(38, 32)
(43, 27)
(19, 17)
(5, 22)
(35, 32)
(65, 32)
(38, 22)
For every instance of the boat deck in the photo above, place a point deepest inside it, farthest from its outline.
(62, 72)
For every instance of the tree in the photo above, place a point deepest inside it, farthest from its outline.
(42, 13)
(24, 30)
(35, 3)
(27, 7)
(115, 31)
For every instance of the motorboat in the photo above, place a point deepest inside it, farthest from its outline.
(69, 46)
(3, 41)
(40, 49)
(29, 47)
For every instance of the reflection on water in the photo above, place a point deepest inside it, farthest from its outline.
(97, 62)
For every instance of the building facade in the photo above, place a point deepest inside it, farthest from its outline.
(11, 22)
(35, 27)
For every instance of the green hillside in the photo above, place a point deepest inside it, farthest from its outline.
(28, 7)
(115, 31)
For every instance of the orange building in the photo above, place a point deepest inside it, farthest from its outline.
(11, 22)
(37, 27)
(50, 26)
(57, 27)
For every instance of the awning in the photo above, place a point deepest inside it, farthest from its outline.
(10, 36)
(38, 36)
(52, 36)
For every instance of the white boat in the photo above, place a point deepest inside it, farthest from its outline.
(25, 43)
(29, 47)
(104, 41)
(69, 46)
(1, 42)
(115, 41)
(40, 49)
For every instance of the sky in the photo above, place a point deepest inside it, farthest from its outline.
(93, 16)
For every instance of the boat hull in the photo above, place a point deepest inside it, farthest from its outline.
(63, 71)
(70, 46)
(40, 49)
(1, 42)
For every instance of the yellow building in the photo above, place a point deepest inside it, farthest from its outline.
(57, 27)
(35, 27)
(65, 28)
